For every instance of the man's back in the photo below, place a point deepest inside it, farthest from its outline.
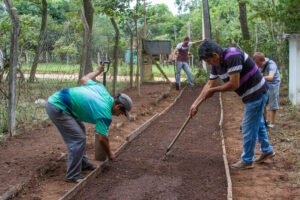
(87, 103)
(272, 67)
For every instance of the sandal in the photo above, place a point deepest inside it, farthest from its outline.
(76, 179)
(90, 167)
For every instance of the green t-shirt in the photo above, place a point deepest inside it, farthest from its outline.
(91, 103)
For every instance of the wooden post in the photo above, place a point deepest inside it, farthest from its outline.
(161, 71)
(12, 67)
(189, 29)
(131, 54)
(145, 19)
(175, 35)
(206, 28)
(138, 51)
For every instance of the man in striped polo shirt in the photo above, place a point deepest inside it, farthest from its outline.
(240, 74)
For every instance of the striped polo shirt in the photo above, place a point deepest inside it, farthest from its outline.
(252, 84)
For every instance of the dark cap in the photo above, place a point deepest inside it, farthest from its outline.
(187, 38)
(126, 101)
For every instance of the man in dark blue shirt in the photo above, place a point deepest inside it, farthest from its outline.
(240, 74)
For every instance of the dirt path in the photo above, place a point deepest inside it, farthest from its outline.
(193, 170)
(274, 179)
(36, 160)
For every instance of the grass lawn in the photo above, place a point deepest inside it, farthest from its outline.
(123, 70)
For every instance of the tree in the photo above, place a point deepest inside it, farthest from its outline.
(116, 53)
(40, 42)
(115, 10)
(86, 59)
(206, 20)
(13, 67)
(244, 25)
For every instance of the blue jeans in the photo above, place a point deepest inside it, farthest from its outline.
(186, 68)
(252, 127)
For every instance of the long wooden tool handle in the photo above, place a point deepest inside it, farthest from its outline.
(182, 128)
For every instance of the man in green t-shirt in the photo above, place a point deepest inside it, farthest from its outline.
(88, 103)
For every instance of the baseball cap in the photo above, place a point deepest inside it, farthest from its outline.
(126, 101)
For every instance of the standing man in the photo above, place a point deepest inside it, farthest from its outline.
(182, 60)
(271, 75)
(89, 103)
(240, 74)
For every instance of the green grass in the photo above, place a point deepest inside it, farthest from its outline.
(123, 69)
(48, 68)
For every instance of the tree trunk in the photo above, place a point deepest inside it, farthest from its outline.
(243, 20)
(138, 51)
(189, 29)
(131, 54)
(206, 20)
(13, 67)
(85, 46)
(116, 54)
(218, 36)
(40, 42)
(244, 27)
(86, 60)
(175, 35)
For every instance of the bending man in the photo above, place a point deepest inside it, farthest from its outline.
(240, 74)
(89, 103)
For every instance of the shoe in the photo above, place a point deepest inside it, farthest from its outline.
(264, 156)
(267, 123)
(242, 165)
(271, 126)
(89, 167)
(177, 86)
(76, 179)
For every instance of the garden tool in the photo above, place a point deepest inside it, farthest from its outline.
(107, 62)
(181, 129)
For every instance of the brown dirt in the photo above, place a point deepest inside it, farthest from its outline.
(277, 178)
(36, 161)
(36, 158)
(193, 170)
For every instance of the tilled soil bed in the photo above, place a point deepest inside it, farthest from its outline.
(193, 170)
(33, 164)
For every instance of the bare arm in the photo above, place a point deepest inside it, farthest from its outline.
(270, 77)
(209, 90)
(105, 145)
(198, 41)
(207, 86)
(174, 54)
(92, 75)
